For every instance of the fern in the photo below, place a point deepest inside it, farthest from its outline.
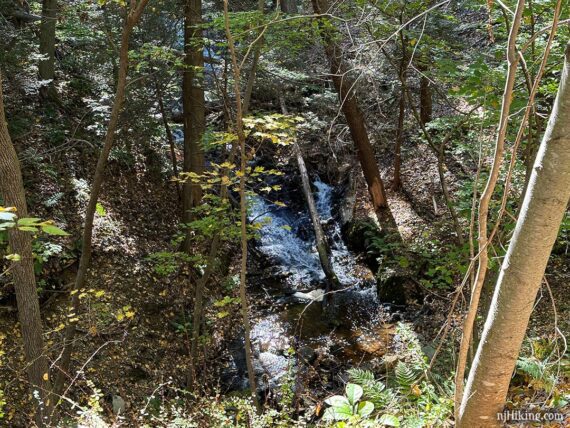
(361, 377)
(405, 376)
(374, 390)
(530, 367)
(538, 372)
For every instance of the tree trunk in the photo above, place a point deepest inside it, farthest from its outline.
(289, 7)
(169, 136)
(484, 203)
(243, 211)
(426, 103)
(254, 64)
(344, 86)
(12, 191)
(397, 182)
(193, 104)
(131, 20)
(523, 268)
(322, 245)
(46, 66)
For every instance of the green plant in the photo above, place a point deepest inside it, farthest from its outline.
(167, 263)
(348, 407)
(411, 400)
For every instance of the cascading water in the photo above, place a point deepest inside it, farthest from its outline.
(286, 240)
(295, 256)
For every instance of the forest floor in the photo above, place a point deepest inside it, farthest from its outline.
(132, 340)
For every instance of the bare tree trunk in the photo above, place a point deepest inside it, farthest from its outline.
(131, 20)
(344, 85)
(289, 7)
(243, 210)
(193, 106)
(468, 323)
(13, 193)
(46, 66)
(322, 245)
(426, 103)
(169, 136)
(397, 181)
(254, 64)
(523, 268)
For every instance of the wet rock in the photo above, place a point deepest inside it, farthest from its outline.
(389, 363)
(312, 296)
(307, 354)
(269, 335)
(395, 285)
(273, 367)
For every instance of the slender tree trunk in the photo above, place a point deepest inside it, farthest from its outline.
(169, 136)
(469, 321)
(13, 193)
(523, 268)
(344, 85)
(131, 20)
(254, 64)
(203, 281)
(397, 182)
(426, 103)
(243, 210)
(46, 66)
(193, 106)
(289, 7)
(322, 245)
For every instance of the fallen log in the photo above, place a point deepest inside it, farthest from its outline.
(322, 244)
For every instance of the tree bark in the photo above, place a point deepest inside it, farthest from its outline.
(397, 181)
(193, 104)
(322, 245)
(344, 86)
(483, 213)
(13, 193)
(426, 103)
(98, 177)
(289, 7)
(254, 64)
(523, 268)
(169, 136)
(46, 66)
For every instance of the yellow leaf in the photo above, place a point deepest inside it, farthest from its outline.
(46, 377)
(416, 391)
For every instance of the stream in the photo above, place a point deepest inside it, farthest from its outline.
(290, 327)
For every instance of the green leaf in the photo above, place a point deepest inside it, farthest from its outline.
(27, 228)
(389, 420)
(29, 221)
(339, 413)
(7, 216)
(100, 209)
(353, 393)
(365, 408)
(54, 230)
(336, 400)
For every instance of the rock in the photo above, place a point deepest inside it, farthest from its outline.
(119, 405)
(389, 363)
(307, 354)
(395, 285)
(312, 296)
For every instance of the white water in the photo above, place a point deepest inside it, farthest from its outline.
(281, 242)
